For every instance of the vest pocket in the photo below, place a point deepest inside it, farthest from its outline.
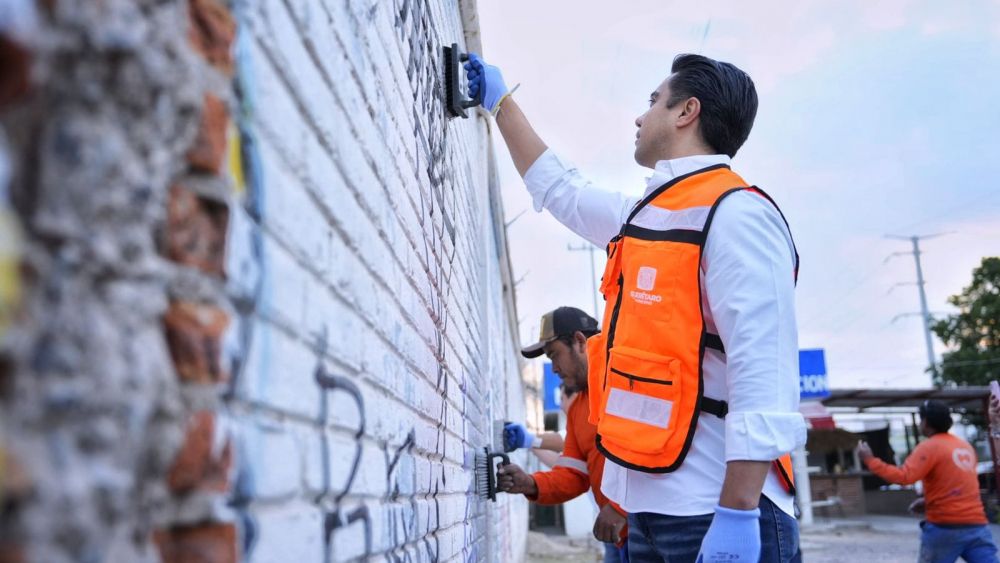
(612, 269)
(597, 358)
(639, 399)
(653, 275)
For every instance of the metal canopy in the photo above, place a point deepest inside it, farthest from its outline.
(967, 398)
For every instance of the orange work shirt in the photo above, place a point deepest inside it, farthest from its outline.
(581, 465)
(947, 466)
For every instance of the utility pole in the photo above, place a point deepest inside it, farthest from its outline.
(593, 272)
(924, 312)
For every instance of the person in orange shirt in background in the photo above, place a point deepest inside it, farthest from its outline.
(581, 466)
(955, 524)
(548, 446)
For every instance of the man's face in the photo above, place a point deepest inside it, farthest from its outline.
(657, 127)
(569, 363)
(925, 428)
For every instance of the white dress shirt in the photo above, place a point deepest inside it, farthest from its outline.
(747, 280)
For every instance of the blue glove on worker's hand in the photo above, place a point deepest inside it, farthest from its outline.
(516, 436)
(733, 537)
(486, 80)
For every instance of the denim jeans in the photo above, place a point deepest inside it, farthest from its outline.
(611, 554)
(656, 538)
(945, 544)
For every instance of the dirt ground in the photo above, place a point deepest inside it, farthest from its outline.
(544, 548)
(825, 544)
(859, 544)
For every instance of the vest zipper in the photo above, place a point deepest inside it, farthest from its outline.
(613, 324)
(633, 378)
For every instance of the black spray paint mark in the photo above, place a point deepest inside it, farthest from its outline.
(430, 131)
(406, 446)
(242, 495)
(407, 527)
(425, 73)
(336, 519)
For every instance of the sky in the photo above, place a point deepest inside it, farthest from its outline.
(875, 118)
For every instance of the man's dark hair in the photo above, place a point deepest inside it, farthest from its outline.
(727, 95)
(567, 339)
(936, 414)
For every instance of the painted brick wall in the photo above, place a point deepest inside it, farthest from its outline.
(295, 327)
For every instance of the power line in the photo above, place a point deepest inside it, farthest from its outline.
(836, 315)
(907, 371)
(970, 203)
(961, 363)
(896, 367)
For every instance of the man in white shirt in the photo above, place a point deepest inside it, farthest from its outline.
(724, 502)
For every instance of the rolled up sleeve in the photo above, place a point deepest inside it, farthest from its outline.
(749, 281)
(594, 214)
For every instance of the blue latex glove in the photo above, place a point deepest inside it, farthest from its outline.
(516, 436)
(733, 537)
(485, 80)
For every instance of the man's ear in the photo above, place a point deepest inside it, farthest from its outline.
(580, 339)
(689, 112)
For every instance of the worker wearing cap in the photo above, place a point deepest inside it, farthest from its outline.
(563, 339)
(694, 383)
(955, 524)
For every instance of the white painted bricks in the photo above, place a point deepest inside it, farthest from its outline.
(381, 347)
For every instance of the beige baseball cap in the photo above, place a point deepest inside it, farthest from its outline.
(563, 321)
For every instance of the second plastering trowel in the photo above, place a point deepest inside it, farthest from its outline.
(486, 477)
(454, 100)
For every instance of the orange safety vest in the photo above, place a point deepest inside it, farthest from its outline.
(645, 367)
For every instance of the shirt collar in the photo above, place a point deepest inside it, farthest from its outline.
(667, 170)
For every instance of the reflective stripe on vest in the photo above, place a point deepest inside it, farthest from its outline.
(645, 367)
(573, 463)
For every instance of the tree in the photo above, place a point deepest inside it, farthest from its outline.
(973, 334)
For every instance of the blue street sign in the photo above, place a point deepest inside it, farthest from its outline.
(812, 374)
(550, 384)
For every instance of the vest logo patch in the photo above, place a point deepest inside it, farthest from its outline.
(646, 279)
(644, 282)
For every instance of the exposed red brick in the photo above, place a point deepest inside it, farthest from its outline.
(212, 32)
(196, 231)
(209, 146)
(6, 374)
(48, 5)
(194, 467)
(16, 482)
(15, 71)
(204, 543)
(194, 337)
(11, 552)
(15, 485)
